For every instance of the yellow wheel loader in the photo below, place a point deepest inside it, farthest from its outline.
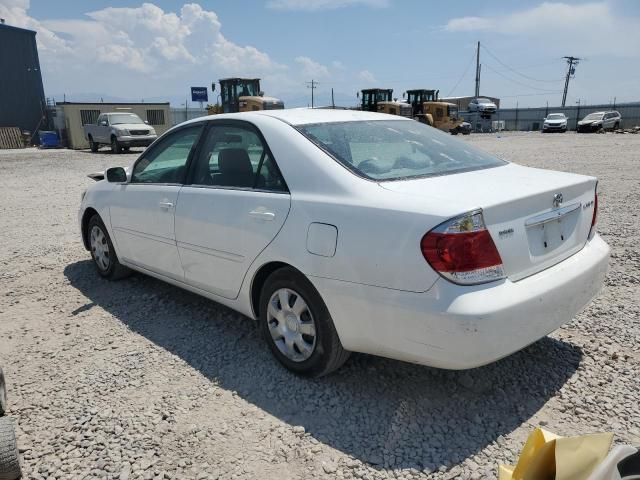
(243, 95)
(426, 108)
(380, 100)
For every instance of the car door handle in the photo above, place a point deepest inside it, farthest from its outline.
(262, 214)
(167, 205)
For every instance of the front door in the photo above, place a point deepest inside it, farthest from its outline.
(233, 206)
(142, 214)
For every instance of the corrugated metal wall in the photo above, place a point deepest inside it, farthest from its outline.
(22, 101)
(527, 119)
(179, 115)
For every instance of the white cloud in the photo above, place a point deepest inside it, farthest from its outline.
(312, 69)
(585, 29)
(313, 5)
(117, 49)
(367, 77)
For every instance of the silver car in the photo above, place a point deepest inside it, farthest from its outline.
(600, 121)
(483, 105)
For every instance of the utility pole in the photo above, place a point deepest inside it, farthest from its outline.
(333, 103)
(312, 85)
(571, 62)
(478, 71)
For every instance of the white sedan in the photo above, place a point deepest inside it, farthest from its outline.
(344, 231)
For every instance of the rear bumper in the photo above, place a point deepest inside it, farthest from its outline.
(459, 327)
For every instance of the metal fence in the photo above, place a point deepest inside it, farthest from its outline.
(531, 119)
(179, 115)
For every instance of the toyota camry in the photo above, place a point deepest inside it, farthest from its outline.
(341, 231)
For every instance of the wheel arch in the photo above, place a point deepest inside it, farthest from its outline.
(86, 216)
(259, 279)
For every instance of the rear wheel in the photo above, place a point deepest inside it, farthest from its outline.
(297, 326)
(102, 251)
(616, 126)
(9, 457)
(115, 145)
(93, 145)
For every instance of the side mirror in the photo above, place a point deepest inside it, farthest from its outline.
(103, 123)
(147, 122)
(116, 175)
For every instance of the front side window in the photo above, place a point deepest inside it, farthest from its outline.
(166, 162)
(236, 157)
(396, 149)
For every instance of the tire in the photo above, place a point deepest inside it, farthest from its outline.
(9, 457)
(320, 352)
(126, 149)
(102, 252)
(3, 394)
(115, 145)
(93, 145)
(616, 126)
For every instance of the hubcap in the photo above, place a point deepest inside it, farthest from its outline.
(291, 325)
(100, 248)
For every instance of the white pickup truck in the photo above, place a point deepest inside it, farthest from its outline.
(120, 130)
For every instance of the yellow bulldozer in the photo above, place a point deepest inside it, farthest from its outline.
(380, 100)
(242, 95)
(426, 108)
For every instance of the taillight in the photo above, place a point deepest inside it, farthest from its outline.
(462, 250)
(594, 219)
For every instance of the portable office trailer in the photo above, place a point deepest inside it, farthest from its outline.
(70, 117)
(22, 101)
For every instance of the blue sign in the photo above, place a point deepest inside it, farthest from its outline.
(199, 94)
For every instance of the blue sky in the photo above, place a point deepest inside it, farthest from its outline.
(132, 50)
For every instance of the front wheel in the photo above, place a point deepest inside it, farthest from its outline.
(297, 326)
(102, 251)
(616, 126)
(93, 145)
(115, 145)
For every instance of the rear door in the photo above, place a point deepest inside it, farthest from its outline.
(233, 206)
(142, 212)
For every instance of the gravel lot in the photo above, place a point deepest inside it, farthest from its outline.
(141, 380)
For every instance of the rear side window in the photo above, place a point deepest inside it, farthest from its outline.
(396, 149)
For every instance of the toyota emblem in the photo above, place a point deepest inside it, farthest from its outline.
(557, 200)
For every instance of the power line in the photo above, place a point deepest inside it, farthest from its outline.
(521, 83)
(463, 75)
(312, 85)
(515, 71)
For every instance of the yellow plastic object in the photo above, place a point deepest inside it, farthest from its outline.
(547, 456)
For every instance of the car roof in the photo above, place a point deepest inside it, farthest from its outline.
(305, 116)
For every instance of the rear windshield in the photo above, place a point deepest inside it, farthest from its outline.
(393, 149)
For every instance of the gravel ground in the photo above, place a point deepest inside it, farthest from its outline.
(141, 380)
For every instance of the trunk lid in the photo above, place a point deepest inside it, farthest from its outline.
(532, 227)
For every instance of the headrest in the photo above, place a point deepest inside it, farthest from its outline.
(235, 161)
